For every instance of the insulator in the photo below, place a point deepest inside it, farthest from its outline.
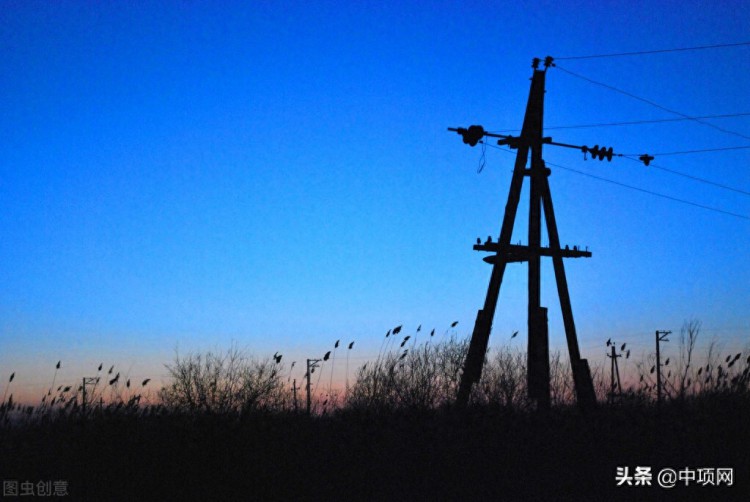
(472, 135)
(512, 141)
(599, 153)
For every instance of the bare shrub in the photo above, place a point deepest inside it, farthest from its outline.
(504, 379)
(224, 383)
(424, 376)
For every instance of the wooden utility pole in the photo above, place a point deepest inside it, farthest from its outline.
(311, 365)
(614, 375)
(661, 336)
(294, 391)
(529, 144)
(86, 381)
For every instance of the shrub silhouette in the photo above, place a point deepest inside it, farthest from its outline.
(224, 383)
(421, 377)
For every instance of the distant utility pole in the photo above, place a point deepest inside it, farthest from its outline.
(661, 336)
(86, 381)
(614, 375)
(294, 391)
(311, 365)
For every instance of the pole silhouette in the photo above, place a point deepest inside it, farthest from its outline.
(311, 365)
(661, 336)
(84, 382)
(615, 388)
(529, 149)
(294, 391)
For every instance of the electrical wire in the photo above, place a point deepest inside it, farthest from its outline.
(483, 158)
(634, 122)
(643, 190)
(649, 102)
(636, 158)
(657, 194)
(645, 338)
(695, 178)
(658, 51)
(684, 152)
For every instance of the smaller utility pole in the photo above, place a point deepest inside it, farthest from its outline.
(661, 336)
(294, 391)
(614, 375)
(311, 365)
(87, 381)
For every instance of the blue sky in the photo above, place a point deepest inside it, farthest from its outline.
(279, 175)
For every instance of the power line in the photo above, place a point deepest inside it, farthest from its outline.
(638, 339)
(635, 158)
(647, 101)
(657, 194)
(640, 122)
(684, 152)
(695, 178)
(658, 51)
(631, 122)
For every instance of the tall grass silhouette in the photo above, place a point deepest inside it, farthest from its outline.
(224, 425)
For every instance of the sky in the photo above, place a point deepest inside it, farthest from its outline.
(185, 176)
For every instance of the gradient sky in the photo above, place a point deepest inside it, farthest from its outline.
(279, 175)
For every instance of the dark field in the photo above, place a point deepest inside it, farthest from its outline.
(483, 453)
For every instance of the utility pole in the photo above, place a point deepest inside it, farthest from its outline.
(86, 381)
(661, 336)
(529, 144)
(614, 375)
(311, 365)
(294, 391)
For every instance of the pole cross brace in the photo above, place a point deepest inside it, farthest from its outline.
(519, 253)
